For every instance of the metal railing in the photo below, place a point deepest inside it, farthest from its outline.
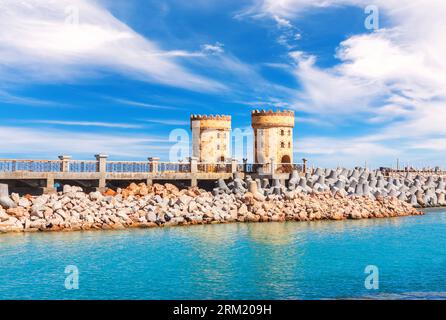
(82, 166)
(214, 167)
(127, 166)
(173, 167)
(87, 166)
(254, 167)
(8, 165)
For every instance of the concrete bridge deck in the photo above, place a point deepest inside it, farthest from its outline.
(43, 175)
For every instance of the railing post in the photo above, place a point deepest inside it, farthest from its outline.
(4, 190)
(273, 166)
(65, 166)
(234, 164)
(101, 162)
(193, 164)
(193, 170)
(101, 167)
(153, 163)
(304, 166)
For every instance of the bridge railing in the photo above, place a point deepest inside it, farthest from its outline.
(288, 167)
(128, 166)
(255, 167)
(214, 167)
(13, 165)
(66, 164)
(82, 166)
(173, 167)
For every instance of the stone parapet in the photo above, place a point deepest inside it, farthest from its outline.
(271, 119)
(218, 122)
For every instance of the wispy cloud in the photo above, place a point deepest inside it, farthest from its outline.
(168, 122)
(8, 98)
(142, 104)
(216, 48)
(87, 124)
(392, 79)
(30, 142)
(53, 41)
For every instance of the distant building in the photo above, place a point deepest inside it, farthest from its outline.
(273, 136)
(210, 137)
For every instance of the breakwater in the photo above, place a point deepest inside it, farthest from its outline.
(303, 199)
(418, 189)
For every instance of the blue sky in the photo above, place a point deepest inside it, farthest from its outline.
(81, 77)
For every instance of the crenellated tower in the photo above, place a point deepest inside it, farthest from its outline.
(273, 135)
(210, 137)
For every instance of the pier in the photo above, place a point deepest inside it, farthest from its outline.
(44, 175)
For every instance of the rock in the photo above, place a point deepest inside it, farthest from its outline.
(96, 196)
(67, 189)
(16, 212)
(37, 210)
(24, 202)
(3, 216)
(7, 203)
(151, 217)
(15, 197)
(110, 192)
(184, 200)
(57, 205)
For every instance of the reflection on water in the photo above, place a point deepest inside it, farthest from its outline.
(309, 260)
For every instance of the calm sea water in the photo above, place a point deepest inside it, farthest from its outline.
(292, 260)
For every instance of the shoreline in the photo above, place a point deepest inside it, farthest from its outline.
(142, 227)
(141, 206)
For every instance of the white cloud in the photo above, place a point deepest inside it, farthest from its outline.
(394, 77)
(40, 40)
(282, 22)
(326, 91)
(216, 48)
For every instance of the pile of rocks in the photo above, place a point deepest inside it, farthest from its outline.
(416, 189)
(165, 205)
(419, 190)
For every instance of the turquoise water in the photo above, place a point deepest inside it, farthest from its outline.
(292, 260)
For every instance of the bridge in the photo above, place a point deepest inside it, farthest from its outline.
(31, 176)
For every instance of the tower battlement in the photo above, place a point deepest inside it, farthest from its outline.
(218, 117)
(285, 113)
(218, 122)
(271, 119)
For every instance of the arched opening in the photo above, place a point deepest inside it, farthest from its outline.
(285, 165)
(286, 159)
(222, 158)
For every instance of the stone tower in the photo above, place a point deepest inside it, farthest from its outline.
(210, 137)
(273, 136)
